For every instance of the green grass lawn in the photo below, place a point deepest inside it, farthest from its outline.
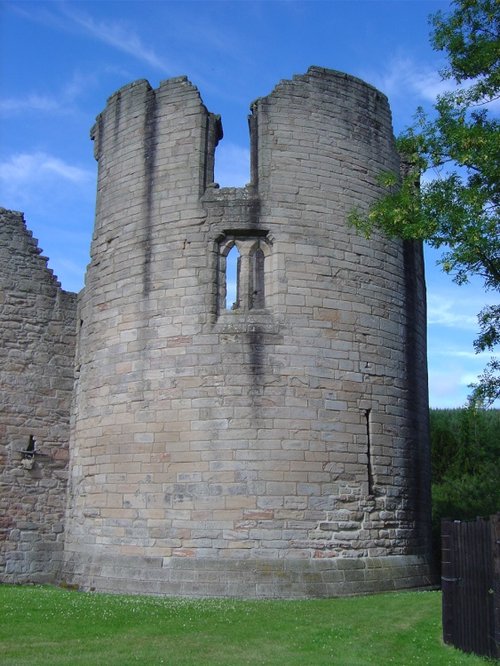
(46, 625)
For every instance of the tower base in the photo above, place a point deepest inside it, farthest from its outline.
(248, 578)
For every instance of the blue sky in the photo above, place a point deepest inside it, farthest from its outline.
(60, 61)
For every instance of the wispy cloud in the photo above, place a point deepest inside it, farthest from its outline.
(61, 101)
(28, 167)
(443, 311)
(37, 13)
(450, 376)
(40, 181)
(451, 388)
(447, 389)
(460, 353)
(404, 77)
(118, 35)
(42, 185)
(30, 102)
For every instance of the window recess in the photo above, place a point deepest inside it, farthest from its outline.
(243, 272)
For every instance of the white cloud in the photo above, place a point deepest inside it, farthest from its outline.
(449, 380)
(66, 171)
(32, 102)
(426, 82)
(452, 369)
(64, 16)
(36, 182)
(56, 197)
(404, 77)
(446, 389)
(460, 353)
(62, 101)
(468, 379)
(118, 35)
(444, 311)
(24, 168)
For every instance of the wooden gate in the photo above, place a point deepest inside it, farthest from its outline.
(470, 584)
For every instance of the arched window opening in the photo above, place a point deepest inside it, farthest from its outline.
(257, 285)
(233, 267)
(243, 272)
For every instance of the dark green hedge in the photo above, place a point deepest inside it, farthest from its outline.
(465, 463)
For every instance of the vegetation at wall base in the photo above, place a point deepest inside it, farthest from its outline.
(465, 463)
(465, 458)
(44, 625)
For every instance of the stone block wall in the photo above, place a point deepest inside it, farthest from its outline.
(278, 446)
(355, 308)
(37, 342)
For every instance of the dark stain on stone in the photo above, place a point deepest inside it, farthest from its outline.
(150, 124)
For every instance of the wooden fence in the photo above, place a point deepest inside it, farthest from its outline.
(470, 584)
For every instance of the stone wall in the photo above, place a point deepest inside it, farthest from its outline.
(37, 338)
(277, 446)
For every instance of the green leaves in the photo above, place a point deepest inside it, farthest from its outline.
(471, 39)
(458, 153)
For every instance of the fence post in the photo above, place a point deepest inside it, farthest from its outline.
(495, 588)
(448, 581)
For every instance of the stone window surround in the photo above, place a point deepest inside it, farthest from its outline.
(253, 288)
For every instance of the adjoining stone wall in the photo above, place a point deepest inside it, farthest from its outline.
(37, 340)
(278, 447)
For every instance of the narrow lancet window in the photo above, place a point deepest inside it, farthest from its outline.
(257, 292)
(233, 267)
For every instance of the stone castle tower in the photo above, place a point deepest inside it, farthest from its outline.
(276, 446)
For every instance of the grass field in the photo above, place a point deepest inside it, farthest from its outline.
(46, 625)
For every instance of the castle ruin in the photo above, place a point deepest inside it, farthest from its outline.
(158, 437)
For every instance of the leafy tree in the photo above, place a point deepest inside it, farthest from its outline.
(458, 210)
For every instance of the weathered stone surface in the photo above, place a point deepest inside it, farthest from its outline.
(274, 446)
(37, 344)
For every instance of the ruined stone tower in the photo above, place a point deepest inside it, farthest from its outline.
(277, 445)
(37, 349)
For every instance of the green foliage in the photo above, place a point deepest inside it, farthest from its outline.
(470, 38)
(466, 497)
(457, 208)
(42, 625)
(465, 463)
